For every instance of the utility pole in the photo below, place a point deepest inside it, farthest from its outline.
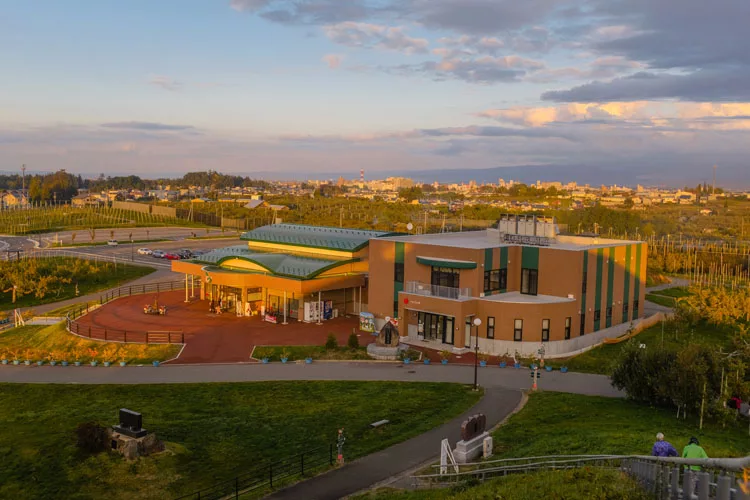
(23, 181)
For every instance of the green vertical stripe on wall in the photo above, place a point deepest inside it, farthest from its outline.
(610, 283)
(626, 288)
(637, 284)
(530, 258)
(487, 259)
(399, 252)
(583, 294)
(598, 294)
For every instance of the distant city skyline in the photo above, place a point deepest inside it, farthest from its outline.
(615, 91)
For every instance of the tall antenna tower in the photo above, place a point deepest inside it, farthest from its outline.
(23, 178)
(713, 188)
(362, 176)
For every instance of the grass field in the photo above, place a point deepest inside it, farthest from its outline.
(43, 340)
(110, 276)
(667, 297)
(298, 352)
(212, 431)
(570, 424)
(601, 359)
(577, 484)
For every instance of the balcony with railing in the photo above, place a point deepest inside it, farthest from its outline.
(445, 292)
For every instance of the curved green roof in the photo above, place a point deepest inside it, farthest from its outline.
(330, 238)
(278, 264)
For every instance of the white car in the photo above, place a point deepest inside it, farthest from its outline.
(144, 251)
(112, 243)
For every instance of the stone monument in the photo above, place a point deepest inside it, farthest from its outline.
(387, 345)
(130, 439)
(471, 445)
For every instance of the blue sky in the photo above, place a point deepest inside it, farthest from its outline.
(304, 87)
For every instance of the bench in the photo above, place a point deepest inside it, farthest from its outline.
(379, 423)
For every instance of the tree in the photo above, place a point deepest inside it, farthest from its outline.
(628, 203)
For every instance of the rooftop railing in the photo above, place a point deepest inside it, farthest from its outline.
(445, 292)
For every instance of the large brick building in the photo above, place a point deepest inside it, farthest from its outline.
(529, 286)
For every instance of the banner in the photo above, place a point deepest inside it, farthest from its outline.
(366, 322)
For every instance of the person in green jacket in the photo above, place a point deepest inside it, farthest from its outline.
(694, 450)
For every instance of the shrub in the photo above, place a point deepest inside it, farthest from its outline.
(331, 342)
(353, 341)
(92, 437)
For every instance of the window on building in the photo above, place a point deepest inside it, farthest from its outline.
(518, 330)
(495, 280)
(583, 324)
(597, 315)
(395, 308)
(585, 280)
(529, 279)
(625, 308)
(545, 330)
(635, 308)
(490, 327)
(444, 276)
(567, 328)
(609, 312)
(398, 272)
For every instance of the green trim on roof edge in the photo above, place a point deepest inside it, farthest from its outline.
(446, 263)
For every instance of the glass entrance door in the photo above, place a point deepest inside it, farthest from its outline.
(436, 327)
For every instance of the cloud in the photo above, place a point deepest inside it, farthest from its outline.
(365, 35)
(702, 85)
(481, 70)
(483, 17)
(332, 60)
(166, 83)
(148, 126)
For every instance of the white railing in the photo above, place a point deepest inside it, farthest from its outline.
(445, 292)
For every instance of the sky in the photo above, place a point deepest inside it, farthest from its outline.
(309, 88)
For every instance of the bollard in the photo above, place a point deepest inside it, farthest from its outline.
(723, 488)
(687, 484)
(675, 488)
(704, 483)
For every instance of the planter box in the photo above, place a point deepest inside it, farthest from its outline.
(564, 369)
(123, 363)
(27, 362)
(407, 361)
(155, 363)
(78, 363)
(284, 360)
(427, 361)
(516, 365)
(93, 363)
(503, 364)
(5, 361)
(16, 362)
(264, 361)
(107, 363)
(39, 363)
(548, 368)
(308, 361)
(64, 363)
(482, 363)
(53, 363)
(444, 361)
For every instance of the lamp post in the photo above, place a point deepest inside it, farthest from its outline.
(476, 322)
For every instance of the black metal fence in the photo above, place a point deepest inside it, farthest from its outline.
(128, 290)
(268, 476)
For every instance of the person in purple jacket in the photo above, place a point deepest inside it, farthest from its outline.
(663, 448)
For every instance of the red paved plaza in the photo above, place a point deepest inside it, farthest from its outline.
(212, 338)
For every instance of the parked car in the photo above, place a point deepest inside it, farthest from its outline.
(112, 243)
(144, 251)
(159, 254)
(184, 253)
(171, 256)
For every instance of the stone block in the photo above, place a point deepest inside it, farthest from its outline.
(469, 451)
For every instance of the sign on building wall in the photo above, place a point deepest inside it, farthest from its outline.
(525, 239)
(367, 322)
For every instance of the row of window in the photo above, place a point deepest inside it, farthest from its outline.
(518, 329)
(495, 280)
(598, 312)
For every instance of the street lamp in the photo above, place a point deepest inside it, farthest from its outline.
(476, 322)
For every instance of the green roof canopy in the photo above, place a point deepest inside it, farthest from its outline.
(278, 264)
(455, 264)
(330, 238)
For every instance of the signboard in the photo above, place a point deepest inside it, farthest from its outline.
(473, 427)
(328, 309)
(366, 322)
(271, 318)
(525, 239)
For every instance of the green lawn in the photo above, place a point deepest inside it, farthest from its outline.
(212, 431)
(667, 297)
(600, 359)
(300, 352)
(577, 484)
(42, 340)
(569, 424)
(109, 277)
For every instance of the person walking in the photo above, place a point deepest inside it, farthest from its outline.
(663, 448)
(694, 450)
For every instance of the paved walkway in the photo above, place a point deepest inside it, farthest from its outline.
(673, 282)
(490, 376)
(355, 476)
